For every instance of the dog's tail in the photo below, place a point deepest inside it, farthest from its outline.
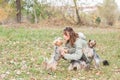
(105, 63)
(98, 60)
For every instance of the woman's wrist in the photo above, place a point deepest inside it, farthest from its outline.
(66, 50)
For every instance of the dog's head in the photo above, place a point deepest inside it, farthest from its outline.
(91, 43)
(58, 41)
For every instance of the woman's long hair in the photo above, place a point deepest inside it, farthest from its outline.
(73, 35)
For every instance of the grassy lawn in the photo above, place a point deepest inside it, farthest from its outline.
(22, 51)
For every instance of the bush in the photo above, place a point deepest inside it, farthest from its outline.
(108, 11)
(5, 14)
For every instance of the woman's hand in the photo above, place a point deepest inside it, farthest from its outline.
(62, 52)
(65, 50)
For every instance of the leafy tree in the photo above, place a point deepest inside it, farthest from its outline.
(36, 10)
(77, 12)
(6, 11)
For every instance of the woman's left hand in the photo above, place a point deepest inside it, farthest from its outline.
(62, 52)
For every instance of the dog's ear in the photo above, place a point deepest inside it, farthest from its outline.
(56, 43)
(94, 43)
(89, 40)
(61, 42)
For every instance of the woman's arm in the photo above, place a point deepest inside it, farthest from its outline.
(71, 50)
(78, 51)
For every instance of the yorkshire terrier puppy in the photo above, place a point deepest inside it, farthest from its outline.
(92, 55)
(77, 65)
(89, 50)
(74, 65)
(52, 63)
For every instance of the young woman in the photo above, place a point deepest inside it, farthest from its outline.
(74, 45)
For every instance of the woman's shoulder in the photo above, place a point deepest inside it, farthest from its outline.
(80, 40)
(81, 35)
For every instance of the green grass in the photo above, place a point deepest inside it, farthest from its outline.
(22, 51)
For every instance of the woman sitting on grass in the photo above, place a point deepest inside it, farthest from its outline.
(74, 44)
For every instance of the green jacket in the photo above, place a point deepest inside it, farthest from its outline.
(75, 52)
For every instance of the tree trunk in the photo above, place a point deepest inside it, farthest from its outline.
(35, 16)
(18, 7)
(77, 13)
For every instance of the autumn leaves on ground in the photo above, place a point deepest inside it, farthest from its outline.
(22, 51)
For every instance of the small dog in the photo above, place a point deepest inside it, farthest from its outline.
(74, 65)
(80, 64)
(77, 65)
(92, 55)
(52, 63)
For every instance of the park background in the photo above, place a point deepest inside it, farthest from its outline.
(28, 28)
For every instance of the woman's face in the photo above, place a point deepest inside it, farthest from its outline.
(66, 36)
